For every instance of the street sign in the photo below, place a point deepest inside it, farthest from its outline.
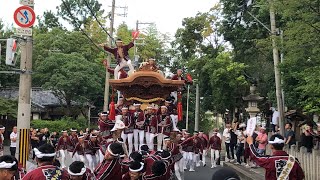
(24, 31)
(27, 2)
(24, 16)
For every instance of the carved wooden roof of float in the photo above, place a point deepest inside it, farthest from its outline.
(146, 84)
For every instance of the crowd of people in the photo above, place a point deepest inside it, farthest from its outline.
(136, 145)
(147, 145)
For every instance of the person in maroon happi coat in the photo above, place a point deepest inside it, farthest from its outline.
(78, 171)
(276, 165)
(121, 54)
(110, 167)
(45, 156)
(62, 147)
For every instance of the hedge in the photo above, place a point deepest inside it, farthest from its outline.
(56, 125)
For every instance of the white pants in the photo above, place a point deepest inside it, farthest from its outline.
(136, 133)
(75, 157)
(204, 154)
(160, 140)
(122, 64)
(91, 161)
(174, 119)
(178, 169)
(62, 157)
(130, 138)
(101, 156)
(189, 159)
(149, 139)
(97, 155)
(83, 159)
(215, 154)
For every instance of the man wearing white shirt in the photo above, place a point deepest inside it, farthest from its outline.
(226, 137)
(13, 138)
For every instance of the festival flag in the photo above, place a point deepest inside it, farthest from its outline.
(112, 114)
(135, 34)
(189, 79)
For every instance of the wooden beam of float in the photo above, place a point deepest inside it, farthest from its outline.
(146, 86)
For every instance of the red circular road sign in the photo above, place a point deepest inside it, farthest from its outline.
(24, 16)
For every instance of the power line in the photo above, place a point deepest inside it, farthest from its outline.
(100, 24)
(79, 26)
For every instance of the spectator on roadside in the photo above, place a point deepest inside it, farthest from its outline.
(13, 138)
(275, 120)
(241, 140)
(289, 135)
(227, 137)
(54, 138)
(34, 141)
(307, 138)
(262, 140)
(233, 139)
(2, 129)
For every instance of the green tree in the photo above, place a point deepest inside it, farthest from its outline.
(80, 13)
(71, 77)
(8, 107)
(48, 21)
(301, 53)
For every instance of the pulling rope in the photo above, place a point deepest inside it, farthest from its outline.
(100, 24)
(79, 26)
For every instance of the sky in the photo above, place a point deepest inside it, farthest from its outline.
(166, 14)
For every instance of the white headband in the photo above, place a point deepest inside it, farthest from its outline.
(63, 131)
(3, 128)
(137, 170)
(109, 150)
(5, 165)
(41, 155)
(121, 142)
(276, 141)
(73, 130)
(83, 170)
(167, 157)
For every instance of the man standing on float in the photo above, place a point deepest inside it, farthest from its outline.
(121, 54)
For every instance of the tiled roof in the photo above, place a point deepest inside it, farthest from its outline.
(39, 97)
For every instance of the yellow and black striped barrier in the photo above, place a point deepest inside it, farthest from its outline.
(24, 139)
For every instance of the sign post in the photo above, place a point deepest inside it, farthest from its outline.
(24, 17)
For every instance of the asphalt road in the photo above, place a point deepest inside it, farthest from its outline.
(201, 173)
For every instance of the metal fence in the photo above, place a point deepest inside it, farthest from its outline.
(310, 162)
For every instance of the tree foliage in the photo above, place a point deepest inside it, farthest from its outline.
(80, 12)
(71, 77)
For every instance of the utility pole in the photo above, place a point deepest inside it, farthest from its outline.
(136, 43)
(276, 66)
(106, 87)
(24, 105)
(196, 119)
(187, 115)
